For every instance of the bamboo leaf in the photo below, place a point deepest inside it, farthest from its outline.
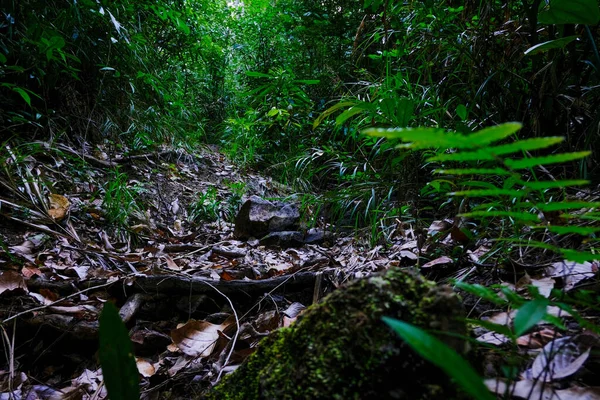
(555, 184)
(331, 110)
(489, 192)
(529, 315)
(550, 45)
(473, 171)
(565, 230)
(119, 369)
(23, 94)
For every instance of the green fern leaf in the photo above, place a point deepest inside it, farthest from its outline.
(492, 134)
(492, 153)
(546, 160)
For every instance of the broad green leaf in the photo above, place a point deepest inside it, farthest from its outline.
(489, 192)
(546, 160)
(529, 315)
(23, 94)
(552, 44)
(562, 12)
(272, 112)
(405, 110)
(462, 112)
(440, 354)
(522, 216)
(555, 184)
(119, 368)
(2, 58)
(473, 171)
(492, 134)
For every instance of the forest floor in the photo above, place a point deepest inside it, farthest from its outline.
(184, 284)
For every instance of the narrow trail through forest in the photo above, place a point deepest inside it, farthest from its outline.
(173, 266)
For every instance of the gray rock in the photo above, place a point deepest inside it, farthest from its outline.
(283, 239)
(317, 236)
(258, 217)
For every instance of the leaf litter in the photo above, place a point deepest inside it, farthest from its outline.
(65, 257)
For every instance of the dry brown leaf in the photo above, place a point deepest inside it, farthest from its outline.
(539, 339)
(145, 368)
(59, 206)
(30, 270)
(476, 254)
(267, 322)
(172, 265)
(24, 250)
(11, 280)
(443, 260)
(198, 338)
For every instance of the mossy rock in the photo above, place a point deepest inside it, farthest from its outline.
(340, 348)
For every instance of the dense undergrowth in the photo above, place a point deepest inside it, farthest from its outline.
(289, 87)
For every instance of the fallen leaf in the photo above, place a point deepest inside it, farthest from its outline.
(198, 338)
(494, 338)
(438, 226)
(438, 261)
(571, 272)
(172, 265)
(558, 359)
(544, 285)
(145, 368)
(11, 280)
(539, 339)
(58, 206)
(294, 310)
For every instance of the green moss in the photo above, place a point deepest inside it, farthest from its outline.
(340, 349)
